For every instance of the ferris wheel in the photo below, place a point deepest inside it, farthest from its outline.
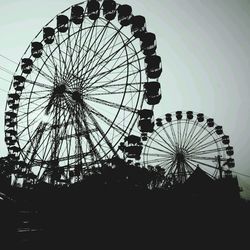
(78, 90)
(184, 141)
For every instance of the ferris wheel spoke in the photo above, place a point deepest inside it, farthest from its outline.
(32, 111)
(104, 135)
(109, 57)
(169, 137)
(44, 74)
(81, 118)
(96, 57)
(41, 143)
(105, 45)
(154, 148)
(33, 102)
(205, 158)
(173, 135)
(164, 147)
(33, 135)
(179, 132)
(189, 168)
(72, 48)
(101, 75)
(163, 139)
(113, 93)
(204, 164)
(110, 104)
(42, 85)
(118, 78)
(78, 49)
(93, 70)
(156, 161)
(107, 121)
(190, 134)
(209, 151)
(195, 137)
(97, 45)
(106, 85)
(119, 57)
(50, 59)
(61, 59)
(85, 57)
(206, 144)
(67, 49)
(167, 156)
(47, 70)
(184, 133)
(62, 133)
(93, 151)
(201, 140)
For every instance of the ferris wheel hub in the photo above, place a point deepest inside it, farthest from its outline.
(76, 95)
(59, 90)
(180, 156)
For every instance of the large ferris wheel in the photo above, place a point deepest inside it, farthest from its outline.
(79, 88)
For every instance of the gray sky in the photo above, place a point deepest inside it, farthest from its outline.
(205, 53)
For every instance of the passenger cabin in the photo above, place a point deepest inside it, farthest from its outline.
(62, 23)
(159, 122)
(210, 122)
(138, 26)
(93, 9)
(146, 121)
(133, 147)
(168, 117)
(190, 115)
(148, 43)
(14, 149)
(26, 65)
(10, 132)
(109, 9)
(219, 130)
(12, 98)
(144, 136)
(124, 14)
(230, 163)
(9, 140)
(152, 92)
(225, 139)
(153, 66)
(18, 83)
(178, 115)
(10, 115)
(230, 150)
(36, 49)
(12, 101)
(77, 14)
(200, 117)
(10, 124)
(48, 35)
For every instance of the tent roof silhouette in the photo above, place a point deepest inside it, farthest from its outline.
(199, 180)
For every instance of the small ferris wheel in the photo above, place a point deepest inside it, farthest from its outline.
(183, 141)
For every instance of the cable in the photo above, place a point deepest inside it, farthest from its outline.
(241, 174)
(6, 81)
(8, 59)
(6, 70)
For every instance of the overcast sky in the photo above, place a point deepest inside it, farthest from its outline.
(205, 50)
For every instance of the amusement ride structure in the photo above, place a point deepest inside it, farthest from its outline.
(78, 90)
(84, 92)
